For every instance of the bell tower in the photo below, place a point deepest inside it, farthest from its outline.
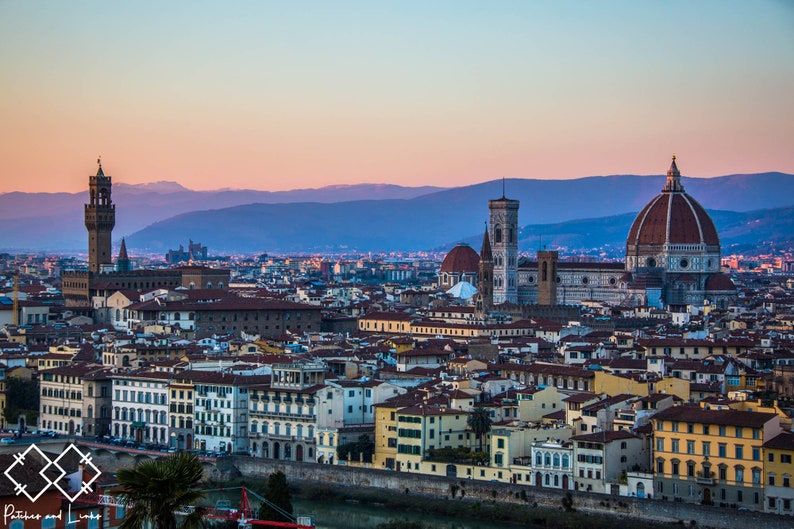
(100, 217)
(484, 300)
(504, 246)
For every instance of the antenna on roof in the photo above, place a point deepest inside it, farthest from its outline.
(503, 187)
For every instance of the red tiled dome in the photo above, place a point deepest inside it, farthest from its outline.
(673, 217)
(719, 282)
(462, 258)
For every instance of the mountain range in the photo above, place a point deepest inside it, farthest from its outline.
(162, 215)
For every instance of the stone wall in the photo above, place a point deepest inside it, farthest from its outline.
(229, 468)
(652, 510)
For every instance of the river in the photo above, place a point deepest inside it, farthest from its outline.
(351, 515)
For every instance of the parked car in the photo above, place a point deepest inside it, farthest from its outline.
(7, 441)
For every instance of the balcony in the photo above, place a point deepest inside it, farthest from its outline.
(704, 478)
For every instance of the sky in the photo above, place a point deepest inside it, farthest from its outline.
(276, 95)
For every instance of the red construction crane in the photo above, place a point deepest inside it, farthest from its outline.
(243, 515)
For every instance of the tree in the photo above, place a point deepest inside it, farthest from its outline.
(277, 493)
(363, 447)
(156, 489)
(22, 397)
(479, 421)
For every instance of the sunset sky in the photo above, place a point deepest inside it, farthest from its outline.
(294, 94)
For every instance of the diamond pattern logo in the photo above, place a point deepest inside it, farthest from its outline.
(22, 472)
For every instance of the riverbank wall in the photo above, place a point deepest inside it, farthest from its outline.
(457, 489)
(689, 515)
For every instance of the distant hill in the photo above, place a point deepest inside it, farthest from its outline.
(54, 221)
(390, 218)
(397, 226)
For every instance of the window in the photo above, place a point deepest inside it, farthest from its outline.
(660, 445)
(771, 457)
(722, 450)
(756, 454)
(690, 428)
(785, 458)
(739, 474)
(771, 480)
(739, 452)
(675, 426)
(674, 448)
(756, 477)
(660, 466)
(500, 443)
(739, 432)
(690, 447)
(674, 466)
(706, 448)
(722, 431)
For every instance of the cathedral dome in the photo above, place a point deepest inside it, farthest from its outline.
(673, 233)
(719, 282)
(673, 217)
(461, 259)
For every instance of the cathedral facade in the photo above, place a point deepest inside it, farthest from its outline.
(672, 258)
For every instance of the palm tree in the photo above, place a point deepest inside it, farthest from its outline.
(479, 421)
(156, 489)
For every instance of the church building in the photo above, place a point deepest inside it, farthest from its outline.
(672, 258)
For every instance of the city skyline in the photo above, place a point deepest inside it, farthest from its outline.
(281, 96)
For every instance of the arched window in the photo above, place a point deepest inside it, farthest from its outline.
(556, 460)
(177, 316)
(565, 461)
(547, 459)
(90, 412)
(497, 234)
(538, 458)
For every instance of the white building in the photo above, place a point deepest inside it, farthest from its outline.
(140, 407)
(221, 410)
(552, 464)
(283, 415)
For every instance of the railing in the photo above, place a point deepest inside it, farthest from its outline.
(704, 477)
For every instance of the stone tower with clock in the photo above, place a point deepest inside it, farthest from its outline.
(100, 218)
(504, 247)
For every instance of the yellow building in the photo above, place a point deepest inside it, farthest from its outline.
(778, 470)
(713, 457)
(422, 428)
(386, 435)
(386, 322)
(619, 384)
